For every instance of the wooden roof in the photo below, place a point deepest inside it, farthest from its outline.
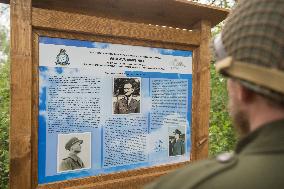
(175, 13)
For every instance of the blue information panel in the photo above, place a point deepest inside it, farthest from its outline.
(105, 108)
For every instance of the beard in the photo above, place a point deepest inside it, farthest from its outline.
(240, 119)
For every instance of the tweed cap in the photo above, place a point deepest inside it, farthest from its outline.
(252, 46)
(72, 141)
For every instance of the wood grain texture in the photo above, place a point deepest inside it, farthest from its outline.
(21, 98)
(35, 109)
(130, 182)
(122, 180)
(158, 12)
(174, 13)
(201, 94)
(62, 21)
(112, 39)
(5, 1)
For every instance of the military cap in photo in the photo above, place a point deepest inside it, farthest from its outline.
(177, 132)
(72, 141)
(251, 47)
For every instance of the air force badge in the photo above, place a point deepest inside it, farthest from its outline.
(62, 58)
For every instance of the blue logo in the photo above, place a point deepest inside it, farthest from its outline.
(62, 58)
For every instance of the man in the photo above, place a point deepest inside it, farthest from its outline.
(172, 141)
(72, 162)
(250, 51)
(127, 104)
(178, 146)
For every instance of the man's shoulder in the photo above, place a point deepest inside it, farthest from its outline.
(66, 164)
(195, 173)
(136, 99)
(227, 171)
(67, 160)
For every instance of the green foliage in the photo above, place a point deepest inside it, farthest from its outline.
(4, 110)
(221, 132)
(5, 45)
(219, 3)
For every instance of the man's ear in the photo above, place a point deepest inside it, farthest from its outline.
(244, 94)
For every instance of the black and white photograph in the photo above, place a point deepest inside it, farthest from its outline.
(176, 141)
(126, 95)
(73, 152)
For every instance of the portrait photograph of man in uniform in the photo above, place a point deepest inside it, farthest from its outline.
(250, 53)
(176, 142)
(70, 157)
(126, 95)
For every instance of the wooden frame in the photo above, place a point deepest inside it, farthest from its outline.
(29, 23)
(21, 95)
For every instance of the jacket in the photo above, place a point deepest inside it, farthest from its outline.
(258, 162)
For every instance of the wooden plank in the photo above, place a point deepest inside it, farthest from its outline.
(5, 1)
(113, 40)
(56, 20)
(35, 99)
(175, 13)
(122, 180)
(21, 99)
(131, 182)
(201, 94)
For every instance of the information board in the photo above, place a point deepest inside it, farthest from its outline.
(106, 108)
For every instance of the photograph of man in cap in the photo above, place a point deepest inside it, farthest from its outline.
(176, 144)
(72, 162)
(129, 100)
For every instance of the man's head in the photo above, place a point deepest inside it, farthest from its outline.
(74, 145)
(249, 109)
(177, 133)
(128, 89)
(250, 51)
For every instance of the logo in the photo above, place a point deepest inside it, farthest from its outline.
(62, 58)
(177, 64)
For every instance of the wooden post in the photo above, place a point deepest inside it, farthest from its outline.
(201, 93)
(21, 85)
